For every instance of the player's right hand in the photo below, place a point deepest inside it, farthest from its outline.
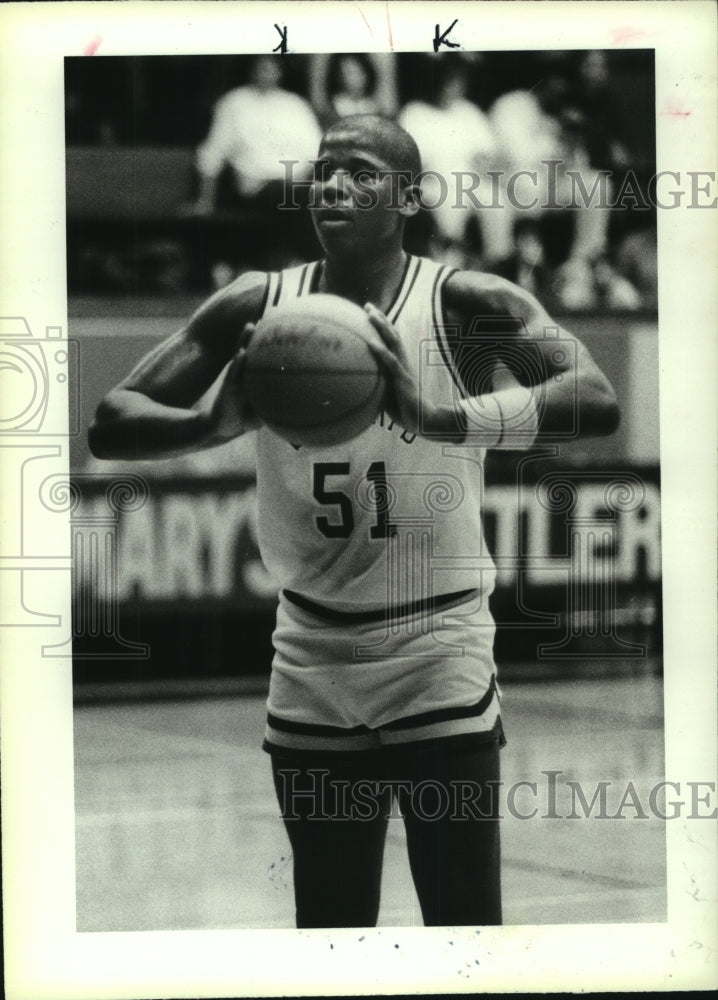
(231, 415)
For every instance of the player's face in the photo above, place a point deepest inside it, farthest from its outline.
(357, 201)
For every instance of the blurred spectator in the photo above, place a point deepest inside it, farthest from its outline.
(352, 84)
(95, 102)
(454, 137)
(354, 89)
(253, 129)
(579, 286)
(525, 136)
(507, 113)
(636, 260)
(526, 266)
(573, 287)
(593, 95)
(350, 87)
(615, 292)
(541, 139)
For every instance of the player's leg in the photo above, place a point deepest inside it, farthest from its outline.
(450, 806)
(337, 841)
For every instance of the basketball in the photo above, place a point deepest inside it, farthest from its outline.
(310, 374)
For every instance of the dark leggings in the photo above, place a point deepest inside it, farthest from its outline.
(336, 809)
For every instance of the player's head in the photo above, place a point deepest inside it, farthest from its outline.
(382, 136)
(365, 177)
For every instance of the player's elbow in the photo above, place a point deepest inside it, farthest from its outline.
(605, 409)
(612, 415)
(96, 440)
(102, 437)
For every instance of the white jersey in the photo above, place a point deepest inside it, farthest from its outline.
(384, 633)
(389, 518)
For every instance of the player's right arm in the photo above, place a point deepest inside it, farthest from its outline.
(152, 413)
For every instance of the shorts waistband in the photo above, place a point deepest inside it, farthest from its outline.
(430, 605)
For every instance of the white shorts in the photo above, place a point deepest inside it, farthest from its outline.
(348, 685)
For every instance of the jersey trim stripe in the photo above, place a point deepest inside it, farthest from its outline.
(267, 286)
(305, 272)
(271, 291)
(432, 605)
(314, 271)
(437, 315)
(317, 266)
(408, 282)
(278, 290)
(314, 274)
(402, 285)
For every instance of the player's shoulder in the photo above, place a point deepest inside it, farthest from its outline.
(232, 307)
(473, 292)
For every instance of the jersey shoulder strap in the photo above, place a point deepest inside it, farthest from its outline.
(292, 283)
(473, 348)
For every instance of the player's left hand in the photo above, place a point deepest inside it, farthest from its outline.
(403, 402)
(230, 414)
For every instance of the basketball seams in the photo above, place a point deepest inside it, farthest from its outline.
(267, 370)
(310, 368)
(376, 389)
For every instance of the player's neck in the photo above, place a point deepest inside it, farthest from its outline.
(376, 280)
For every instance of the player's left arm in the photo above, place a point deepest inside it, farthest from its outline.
(551, 387)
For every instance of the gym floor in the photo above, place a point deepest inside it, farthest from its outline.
(178, 828)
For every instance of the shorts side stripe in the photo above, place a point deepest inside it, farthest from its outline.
(277, 740)
(446, 714)
(313, 729)
(489, 723)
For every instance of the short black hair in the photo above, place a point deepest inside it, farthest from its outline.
(383, 136)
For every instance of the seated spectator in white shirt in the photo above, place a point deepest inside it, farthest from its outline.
(541, 140)
(254, 128)
(454, 136)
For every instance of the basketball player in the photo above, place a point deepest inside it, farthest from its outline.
(383, 690)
